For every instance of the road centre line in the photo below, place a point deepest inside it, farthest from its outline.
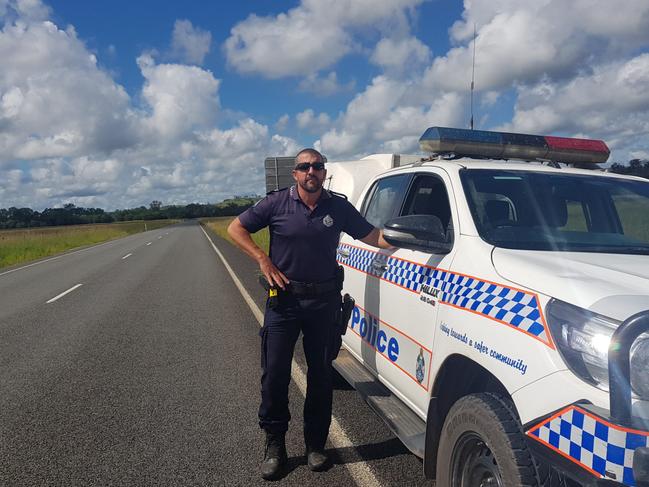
(63, 293)
(360, 471)
(149, 243)
(127, 256)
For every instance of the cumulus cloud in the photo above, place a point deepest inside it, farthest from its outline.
(522, 41)
(399, 55)
(32, 10)
(308, 120)
(308, 38)
(54, 99)
(190, 44)
(282, 122)
(571, 66)
(611, 103)
(385, 118)
(181, 97)
(70, 134)
(324, 86)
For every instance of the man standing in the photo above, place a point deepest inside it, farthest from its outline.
(305, 223)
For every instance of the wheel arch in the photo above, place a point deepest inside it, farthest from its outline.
(457, 377)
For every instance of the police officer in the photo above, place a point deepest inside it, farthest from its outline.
(305, 222)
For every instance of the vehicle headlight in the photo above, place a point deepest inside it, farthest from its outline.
(583, 338)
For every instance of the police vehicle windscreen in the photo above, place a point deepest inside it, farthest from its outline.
(547, 211)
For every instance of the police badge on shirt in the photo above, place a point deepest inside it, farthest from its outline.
(328, 221)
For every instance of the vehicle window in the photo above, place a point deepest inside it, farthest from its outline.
(550, 211)
(633, 210)
(384, 199)
(428, 196)
(577, 214)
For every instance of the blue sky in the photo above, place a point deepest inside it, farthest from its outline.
(115, 104)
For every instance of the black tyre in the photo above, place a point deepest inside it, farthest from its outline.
(482, 444)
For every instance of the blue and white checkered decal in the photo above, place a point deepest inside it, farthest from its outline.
(605, 450)
(513, 307)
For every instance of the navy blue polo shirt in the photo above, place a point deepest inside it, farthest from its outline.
(303, 242)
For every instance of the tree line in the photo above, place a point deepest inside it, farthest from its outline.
(70, 214)
(636, 167)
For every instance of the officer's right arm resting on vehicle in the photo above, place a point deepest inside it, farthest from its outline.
(241, 238)
(375, 239)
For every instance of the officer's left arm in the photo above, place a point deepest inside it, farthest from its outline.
(375, 239)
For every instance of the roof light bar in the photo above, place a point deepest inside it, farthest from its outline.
(503, 145)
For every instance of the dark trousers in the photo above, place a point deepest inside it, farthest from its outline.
(314, 317)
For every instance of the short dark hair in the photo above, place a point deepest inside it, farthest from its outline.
(311, 151)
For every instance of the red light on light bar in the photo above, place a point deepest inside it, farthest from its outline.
(576, 144)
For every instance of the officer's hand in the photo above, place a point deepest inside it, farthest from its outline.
(272, 273)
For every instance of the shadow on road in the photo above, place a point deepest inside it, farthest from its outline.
(340, 384)
(368, 452)
(353, 454)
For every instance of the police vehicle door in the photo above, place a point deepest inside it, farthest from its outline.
(364, 266)
(409, 296)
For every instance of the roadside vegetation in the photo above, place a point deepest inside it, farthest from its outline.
(70, 214)
(220, 227)
(18, 246)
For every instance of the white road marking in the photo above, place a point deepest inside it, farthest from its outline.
(63, 293)
(149, 243)
(360, 471)
(127, 256)
(159, 237)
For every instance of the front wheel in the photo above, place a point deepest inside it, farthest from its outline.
(482, 444)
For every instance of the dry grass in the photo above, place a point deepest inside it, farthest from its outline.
(220, 227)
(18, 246)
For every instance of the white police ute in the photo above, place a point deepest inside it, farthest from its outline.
(504, 340)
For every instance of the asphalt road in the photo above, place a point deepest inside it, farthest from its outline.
(146, 372)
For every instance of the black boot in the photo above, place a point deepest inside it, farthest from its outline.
(274, 456)
(317, 459)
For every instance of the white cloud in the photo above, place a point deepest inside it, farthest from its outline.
(520, 41)
(386, 118)
(399, 55)
(324, 86)
(308, 38)
(33, 10)
(282, 122)
(570, 64)
(70, 133)
(611, 103)
(308, 120)
(190, 44)
(182, 98)
(54, 99)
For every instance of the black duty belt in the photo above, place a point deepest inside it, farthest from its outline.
(307, 289)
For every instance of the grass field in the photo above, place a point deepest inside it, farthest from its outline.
(220, 226)
(18, 246)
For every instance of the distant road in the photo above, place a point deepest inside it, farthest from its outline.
(136, 362)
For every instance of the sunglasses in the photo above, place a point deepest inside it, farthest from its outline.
(305, 166)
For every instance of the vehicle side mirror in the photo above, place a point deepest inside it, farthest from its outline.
(417, 232)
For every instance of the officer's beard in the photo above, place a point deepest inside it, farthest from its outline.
(311, 185)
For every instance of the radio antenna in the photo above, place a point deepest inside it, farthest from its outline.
(473, 76)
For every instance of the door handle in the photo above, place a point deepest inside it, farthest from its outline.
(380, 266)
(343, 253)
